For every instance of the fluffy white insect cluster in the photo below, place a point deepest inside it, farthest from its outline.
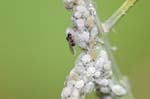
(91, 73)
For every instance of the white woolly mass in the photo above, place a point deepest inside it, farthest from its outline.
(86, 58)
(99, 63)
(90, 72)
(118, 90)
(94, 32)
(80, 23)
(75, 93)
(102, 82)
(85, 36)
(81, 8)
(105, 90)
(97, 74)
(69, 4)
(107, 66)
(107, 97)
(77, 14)
(89, 87)
(85, 78)
(79, 84)
(66, 91)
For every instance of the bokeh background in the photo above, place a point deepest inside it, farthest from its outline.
(35, 58)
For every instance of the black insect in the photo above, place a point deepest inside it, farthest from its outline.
(71, 42)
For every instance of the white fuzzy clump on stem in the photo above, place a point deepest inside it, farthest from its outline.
(95, 69)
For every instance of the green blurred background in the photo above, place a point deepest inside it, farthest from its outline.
(34, 55)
